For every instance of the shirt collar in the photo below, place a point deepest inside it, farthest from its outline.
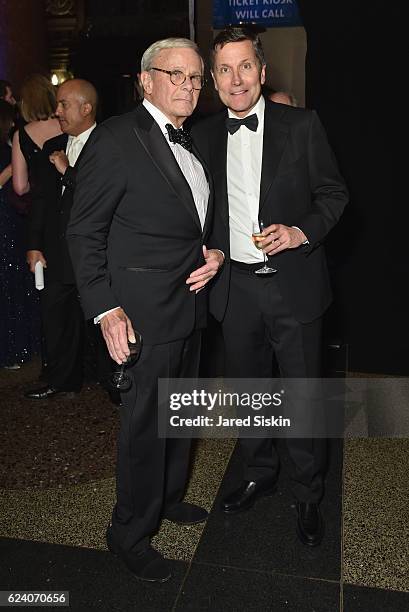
(257, 109)
(158, 116)
(83, 137)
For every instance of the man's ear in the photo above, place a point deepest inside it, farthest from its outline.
(86, 109)
(263, 74)
(146, 81)
(214, 80)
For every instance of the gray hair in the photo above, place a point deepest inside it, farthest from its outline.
(166, 43)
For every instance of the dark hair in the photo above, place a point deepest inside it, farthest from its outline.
(6, 120)
(231, 35)
(3, 88)
(267, 90)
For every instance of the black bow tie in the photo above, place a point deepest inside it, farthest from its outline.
(179, 137)
(251, 122)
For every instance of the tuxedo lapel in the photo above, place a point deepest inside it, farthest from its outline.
(219, 154)
(274, 141)
(81, 153)
(153, 141)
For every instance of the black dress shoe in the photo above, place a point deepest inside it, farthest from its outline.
(46, 392)
(185, 514)
(310, 526)
(148, 565)
(245, 496)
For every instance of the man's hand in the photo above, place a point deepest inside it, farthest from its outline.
(60, 161)
(281, 237)
(6, 175)
(117, 329)
(200, 277)
(32, 257)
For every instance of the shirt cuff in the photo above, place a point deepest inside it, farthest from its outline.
(300, 230)
(220, 251)
(100, 316)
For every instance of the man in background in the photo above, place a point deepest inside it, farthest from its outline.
(63, 319)
(283, 97)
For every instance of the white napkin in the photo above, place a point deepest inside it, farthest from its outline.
(39, 275)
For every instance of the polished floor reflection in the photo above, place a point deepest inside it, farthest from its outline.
(57, 489)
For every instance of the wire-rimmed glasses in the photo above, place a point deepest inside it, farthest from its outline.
(177, 77)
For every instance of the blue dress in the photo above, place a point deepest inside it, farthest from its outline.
(19, 308)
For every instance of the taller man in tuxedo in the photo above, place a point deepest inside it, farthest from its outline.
(273, 163)
(137, 236)
(63, 319)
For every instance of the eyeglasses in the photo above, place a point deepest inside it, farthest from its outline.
(177, 77)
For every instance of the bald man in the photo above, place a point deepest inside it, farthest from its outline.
(282, 97)
(63, 320)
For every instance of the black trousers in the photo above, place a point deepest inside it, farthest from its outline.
(63, 329)
(72, 344)
(151, 472)
(98, 365)
(258, 331)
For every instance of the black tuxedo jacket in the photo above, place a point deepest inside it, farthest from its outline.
(300, 185)
(50, 212)
(134, 234)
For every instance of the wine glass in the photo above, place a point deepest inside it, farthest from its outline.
(257, 237)
(119, 378)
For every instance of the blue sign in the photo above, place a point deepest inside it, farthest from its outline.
(268, 13)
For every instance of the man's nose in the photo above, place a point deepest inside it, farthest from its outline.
(188, 84)
(236, 77)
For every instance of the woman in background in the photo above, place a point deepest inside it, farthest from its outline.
(37, 107)
(19, 324)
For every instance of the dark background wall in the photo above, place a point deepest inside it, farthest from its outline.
(113, 39)
(355, 78)
(355, 64)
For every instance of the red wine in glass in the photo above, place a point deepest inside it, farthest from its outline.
(119, 378)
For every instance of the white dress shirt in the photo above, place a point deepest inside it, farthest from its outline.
(75, 145)
(244, 161)
(191, 168)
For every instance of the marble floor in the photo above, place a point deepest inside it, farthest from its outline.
(57, 489)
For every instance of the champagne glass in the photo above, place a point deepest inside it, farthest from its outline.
(120, 379)
(257, 237)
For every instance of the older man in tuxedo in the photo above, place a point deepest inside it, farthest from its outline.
(137, 237)
(271, 163)
(63, 319)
